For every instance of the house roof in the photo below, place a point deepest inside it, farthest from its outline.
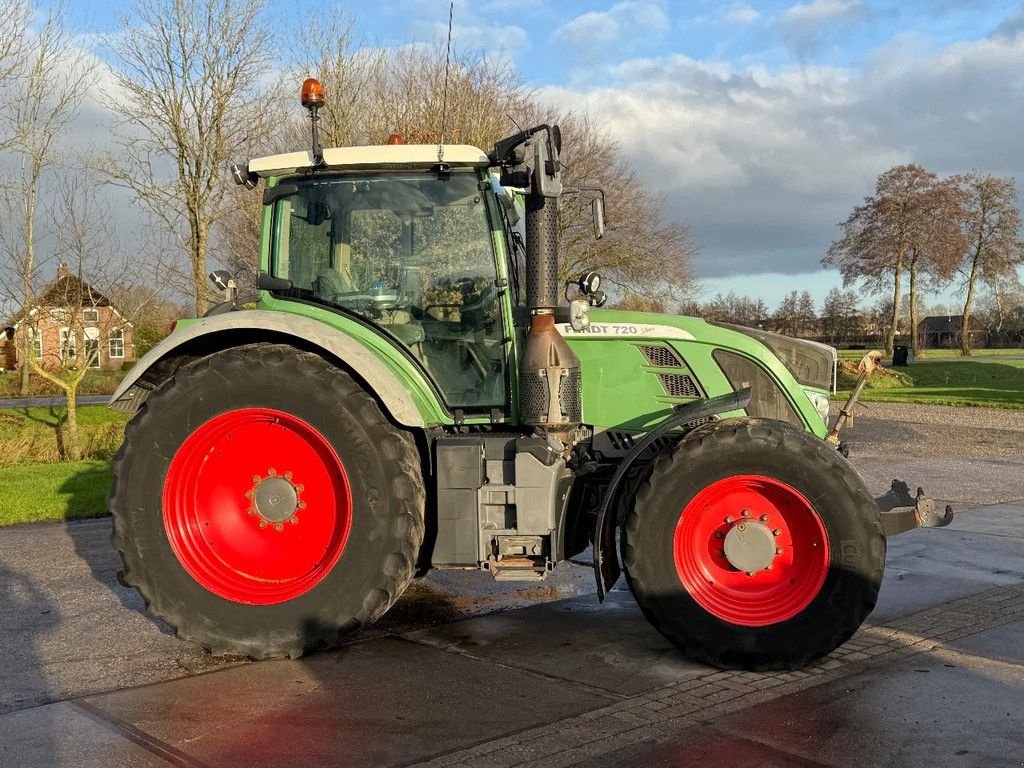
(66, 290)
(946, 324)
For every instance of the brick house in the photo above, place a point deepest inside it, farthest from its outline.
(70, 321)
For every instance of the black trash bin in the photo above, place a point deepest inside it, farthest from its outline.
(901, 355)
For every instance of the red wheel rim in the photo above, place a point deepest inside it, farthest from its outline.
(257, 506)
(793, 575)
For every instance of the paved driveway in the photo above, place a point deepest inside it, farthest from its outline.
(465, 671)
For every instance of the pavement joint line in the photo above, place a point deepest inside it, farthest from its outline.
(449, 648)
(151, 744)
(919, 633)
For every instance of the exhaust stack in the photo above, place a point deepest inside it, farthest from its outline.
(550, 391)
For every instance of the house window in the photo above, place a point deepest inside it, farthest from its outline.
(92, 347)
(37, 342)
(91, 315)
(68, 346)
(116, 345)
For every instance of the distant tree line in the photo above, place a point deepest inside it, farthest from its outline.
(842, 319)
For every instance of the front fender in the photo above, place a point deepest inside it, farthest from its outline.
(606, 562)
(282, 325)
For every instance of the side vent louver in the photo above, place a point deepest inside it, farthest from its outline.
(678, 385)
(660, 357)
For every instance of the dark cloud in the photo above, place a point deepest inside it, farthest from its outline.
(764, 165)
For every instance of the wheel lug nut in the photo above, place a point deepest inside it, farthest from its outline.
(764, 518)
(250, 511)
(745, 513)
(750, 573)
(778, 550)
(255, 478)
(248, 494)
(287, 475)
(294, 520)
(278, 527)
(721, 553)
(719, 535)
(263, 523)
(777, 532)
(271, 472)
(300, 488)
(729, 519)
(302, 505)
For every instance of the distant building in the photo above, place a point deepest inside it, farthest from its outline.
(67, 314)
(944, 331)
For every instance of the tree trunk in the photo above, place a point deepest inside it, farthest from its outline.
(26, 350)
(71, 447)
(199, 276)
(890, 336)
(965, 320)
(914, 341)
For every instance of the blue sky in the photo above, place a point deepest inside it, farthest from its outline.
(760, 123)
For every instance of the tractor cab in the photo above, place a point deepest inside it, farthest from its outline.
(412, 253)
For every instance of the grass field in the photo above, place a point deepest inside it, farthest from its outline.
(935, 354)
(94, 383)
(993, 383)
(36, 434)
(43, 492)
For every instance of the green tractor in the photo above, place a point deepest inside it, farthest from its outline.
(413, 389)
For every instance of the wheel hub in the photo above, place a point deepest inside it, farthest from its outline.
(749, 546)
(275, 499)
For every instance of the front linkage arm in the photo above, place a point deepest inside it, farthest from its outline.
(900, 512)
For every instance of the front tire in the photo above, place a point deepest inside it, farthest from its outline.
(754, 545)
(263, 505)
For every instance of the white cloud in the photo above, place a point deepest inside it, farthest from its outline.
(622, 23)
(741, 13)
(763, 164)
(803, 25)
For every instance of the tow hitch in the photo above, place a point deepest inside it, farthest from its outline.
(901, 512)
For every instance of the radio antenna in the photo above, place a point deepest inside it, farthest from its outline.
(447, 66)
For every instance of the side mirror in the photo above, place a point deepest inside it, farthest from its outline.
(597, 206)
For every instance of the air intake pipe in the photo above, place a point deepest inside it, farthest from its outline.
(550, 389)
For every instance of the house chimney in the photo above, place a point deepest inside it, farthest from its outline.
(62, 270)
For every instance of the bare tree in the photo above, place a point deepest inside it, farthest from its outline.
(191, 95)
(87, 250)
(991, 224)
(879, 236)
(49, 84)
(641, 253)
(938, 245)
(15, 16)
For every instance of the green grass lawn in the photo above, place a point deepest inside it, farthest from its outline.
(38, 492)
(992, 383)
(855, 355)
(30, 435)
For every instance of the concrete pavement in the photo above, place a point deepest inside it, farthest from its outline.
(936, 677)
(465, 671)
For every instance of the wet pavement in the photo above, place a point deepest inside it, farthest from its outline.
(466, 671)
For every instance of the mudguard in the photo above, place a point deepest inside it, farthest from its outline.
(606, 562)
(395, 399)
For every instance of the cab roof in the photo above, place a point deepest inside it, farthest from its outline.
(388, 157)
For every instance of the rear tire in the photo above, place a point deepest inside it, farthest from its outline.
(263, 505)
(816, 559)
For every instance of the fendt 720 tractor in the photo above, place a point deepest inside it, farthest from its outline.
(411, 388)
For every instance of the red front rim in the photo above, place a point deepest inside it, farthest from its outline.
(784, 583)
(257, 506)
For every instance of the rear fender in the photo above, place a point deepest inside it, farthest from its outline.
(606, 561)
(233, 328)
